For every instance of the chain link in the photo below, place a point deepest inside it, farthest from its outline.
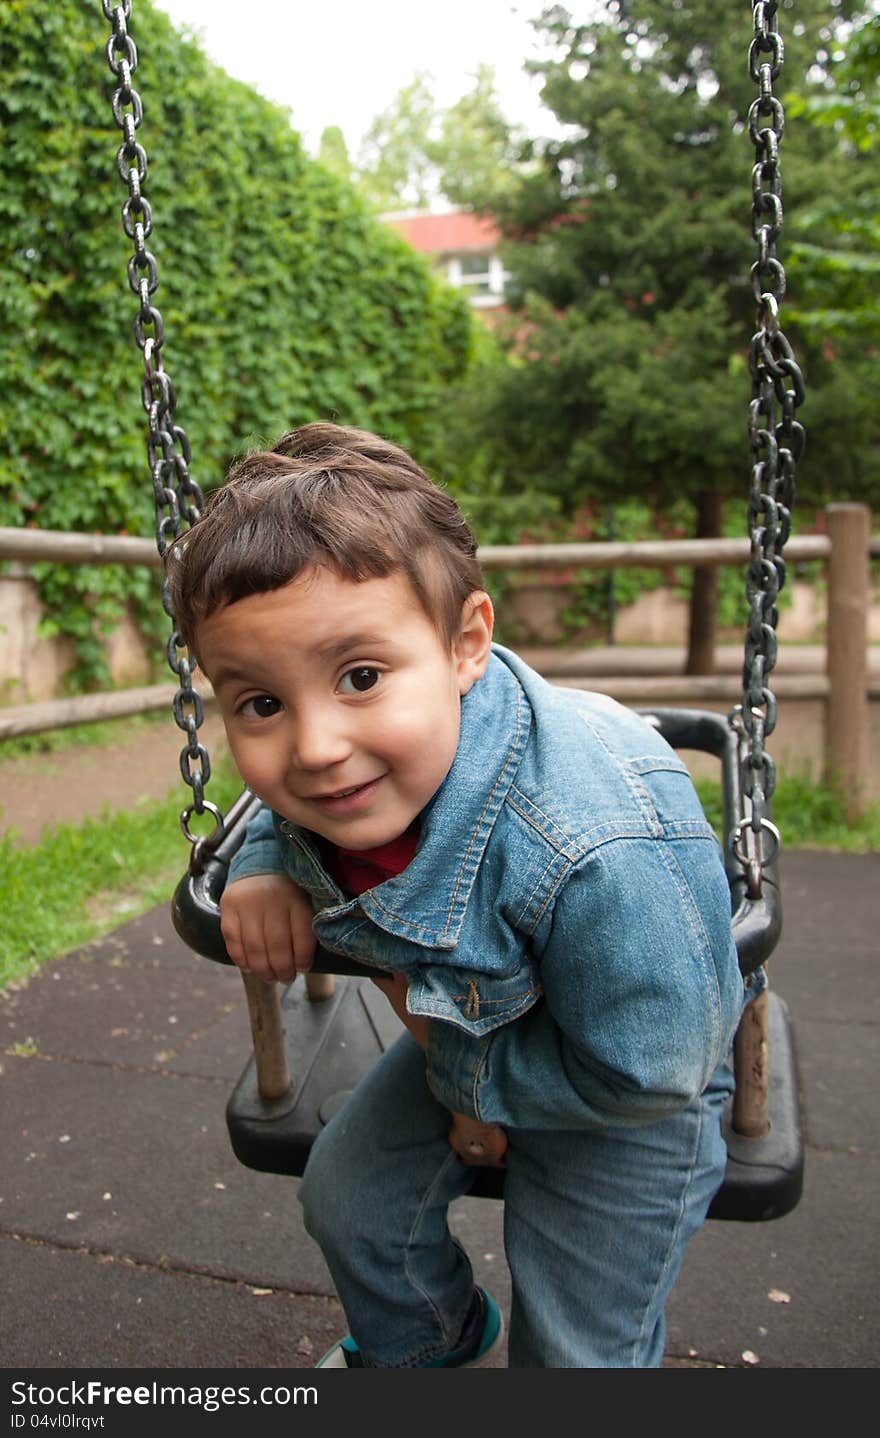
(776, 440)
(177, 496)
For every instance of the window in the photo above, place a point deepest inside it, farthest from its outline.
(483, 276)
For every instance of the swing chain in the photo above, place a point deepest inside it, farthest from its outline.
(176, 494)
(776, 441)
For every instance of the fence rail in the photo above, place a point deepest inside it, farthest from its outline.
(33, 545)
(846, 549)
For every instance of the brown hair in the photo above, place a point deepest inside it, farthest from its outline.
(324, 496)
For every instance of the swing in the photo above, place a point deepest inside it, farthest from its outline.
(332, 1028)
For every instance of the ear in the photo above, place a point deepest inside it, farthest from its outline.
(473, 646)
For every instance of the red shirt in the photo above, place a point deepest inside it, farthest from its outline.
(357, 870)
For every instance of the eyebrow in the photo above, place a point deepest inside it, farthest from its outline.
(225, 674)
(334, 650)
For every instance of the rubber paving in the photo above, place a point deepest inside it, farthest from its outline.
(131, 1237)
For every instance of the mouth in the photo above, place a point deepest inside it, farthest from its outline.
(346, 800)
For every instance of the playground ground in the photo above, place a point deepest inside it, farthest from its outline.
(130, 1237)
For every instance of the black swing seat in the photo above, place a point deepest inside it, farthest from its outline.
(332, 1043)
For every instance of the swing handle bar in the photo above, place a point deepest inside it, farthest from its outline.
(757, 921)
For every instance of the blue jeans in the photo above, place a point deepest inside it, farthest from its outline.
(595, 1224)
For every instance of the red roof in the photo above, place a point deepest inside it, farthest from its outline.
(446, 234)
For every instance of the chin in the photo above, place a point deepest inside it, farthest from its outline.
(371, 836)
(358, 842)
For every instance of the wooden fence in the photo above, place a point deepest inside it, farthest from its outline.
(844, 687)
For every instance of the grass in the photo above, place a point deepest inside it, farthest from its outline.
(809, 815)
(83, 880)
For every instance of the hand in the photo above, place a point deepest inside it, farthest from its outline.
(266, 921)
(478, 1143)
(395, 990)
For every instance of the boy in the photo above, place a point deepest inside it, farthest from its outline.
(529, 871)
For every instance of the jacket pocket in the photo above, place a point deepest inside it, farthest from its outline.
(475, 1002)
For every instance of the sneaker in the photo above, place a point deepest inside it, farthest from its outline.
(480, 1336)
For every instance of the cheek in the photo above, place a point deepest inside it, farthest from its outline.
(252, 760)
(430, 740)
(406, 747)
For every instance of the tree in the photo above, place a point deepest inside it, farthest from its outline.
(415, 153)
(476, 150)
(837, 269)
(333, 153)
(630, 250)
(395, 165)
(283, 299)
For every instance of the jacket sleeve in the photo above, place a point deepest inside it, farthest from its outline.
(642, 993)
(261, 850)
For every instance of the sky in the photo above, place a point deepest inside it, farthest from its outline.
(343, 63)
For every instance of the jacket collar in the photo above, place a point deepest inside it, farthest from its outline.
(426, 904)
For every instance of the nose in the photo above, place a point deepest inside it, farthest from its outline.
(320, 740)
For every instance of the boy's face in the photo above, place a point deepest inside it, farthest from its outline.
(341, 700)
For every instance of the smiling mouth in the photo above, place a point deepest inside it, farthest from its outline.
(342, 796)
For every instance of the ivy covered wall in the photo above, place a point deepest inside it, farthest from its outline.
(283, 300)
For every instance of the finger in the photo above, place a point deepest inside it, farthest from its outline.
(475, 1156)
(278, 946)
(497, 1142)
(302, 937)
(230, 928)
(482, 1160)
(253, 945)
(478, 1143)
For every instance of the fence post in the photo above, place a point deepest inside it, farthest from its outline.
(846, 743)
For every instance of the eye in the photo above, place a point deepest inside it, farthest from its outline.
(262, 706)
(359, 680)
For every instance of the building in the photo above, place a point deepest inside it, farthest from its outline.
(462, 246)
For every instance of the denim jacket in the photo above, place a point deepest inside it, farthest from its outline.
(565, 920)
